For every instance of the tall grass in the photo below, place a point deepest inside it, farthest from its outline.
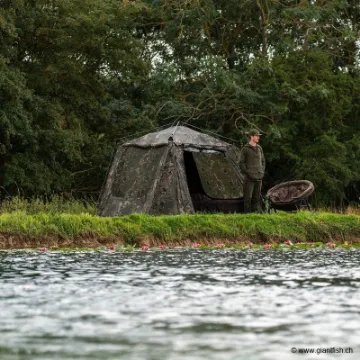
(55, 205)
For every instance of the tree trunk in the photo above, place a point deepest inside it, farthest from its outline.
(264, 23)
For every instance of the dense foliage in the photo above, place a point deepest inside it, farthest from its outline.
(78, 75)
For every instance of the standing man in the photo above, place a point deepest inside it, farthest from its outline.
(252, 164)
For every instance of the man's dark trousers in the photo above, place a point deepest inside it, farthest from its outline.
(252, 196)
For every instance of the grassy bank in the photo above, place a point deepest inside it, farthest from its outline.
(19, 229)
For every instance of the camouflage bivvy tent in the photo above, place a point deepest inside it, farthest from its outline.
(174, 171)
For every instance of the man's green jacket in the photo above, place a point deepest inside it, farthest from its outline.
(252, 162)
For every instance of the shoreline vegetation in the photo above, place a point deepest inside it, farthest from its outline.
(74, 225)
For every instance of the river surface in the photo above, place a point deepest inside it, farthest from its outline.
(180, 304)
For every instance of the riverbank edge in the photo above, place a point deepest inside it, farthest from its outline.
(19, 230)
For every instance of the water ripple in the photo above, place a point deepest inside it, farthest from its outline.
(177, 304)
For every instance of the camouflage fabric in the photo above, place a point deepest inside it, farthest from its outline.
(179, 135)
(149, 174)
(172, 194)
(131, 181)
(217, 175)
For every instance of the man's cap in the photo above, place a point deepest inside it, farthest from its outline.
(253, 132)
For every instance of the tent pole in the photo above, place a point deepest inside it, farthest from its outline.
(171, 138)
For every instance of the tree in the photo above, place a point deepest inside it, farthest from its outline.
(63, 53)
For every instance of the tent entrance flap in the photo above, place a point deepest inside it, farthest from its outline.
(212, 183)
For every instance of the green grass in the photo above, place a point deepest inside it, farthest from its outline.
(55, 205)
(134, 229)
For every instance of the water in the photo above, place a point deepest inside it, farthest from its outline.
(179, 304)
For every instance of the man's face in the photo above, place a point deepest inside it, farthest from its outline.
(255, 138)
